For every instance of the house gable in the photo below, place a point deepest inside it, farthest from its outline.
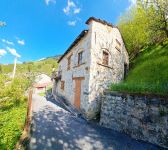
(92, 62)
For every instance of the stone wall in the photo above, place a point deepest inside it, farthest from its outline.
(141, 117)
(103, 38)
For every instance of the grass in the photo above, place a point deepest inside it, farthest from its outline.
(11, 125)
(13, 108)
(148, 73)
(42, 94)
(43, 66)
(48, 90)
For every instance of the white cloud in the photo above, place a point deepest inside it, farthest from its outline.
(41, 59)
(71, 8)
(132, 2)
(21, 42)
(70, 5)
(50, 1)
(7, 42)
(2, 52)
(71, 23)
(77, 10)
(13, 51)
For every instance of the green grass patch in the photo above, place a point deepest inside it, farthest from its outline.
(42, 94)
(11, 125)
(43, 66)
(148, 73)
(13, 107)
(48, 90)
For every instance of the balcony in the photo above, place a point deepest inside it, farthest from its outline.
(56, 75)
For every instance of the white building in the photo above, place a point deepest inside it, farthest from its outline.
(95, 60)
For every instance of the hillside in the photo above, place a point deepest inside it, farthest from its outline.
(148, 72)
(43, 66)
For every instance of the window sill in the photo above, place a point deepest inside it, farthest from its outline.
(105, 66)
(79, 65)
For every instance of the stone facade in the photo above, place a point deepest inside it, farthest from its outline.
(141, 117)
(100, 37)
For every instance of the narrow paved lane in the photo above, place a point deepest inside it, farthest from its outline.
(54, 128)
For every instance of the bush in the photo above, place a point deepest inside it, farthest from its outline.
(13, 106)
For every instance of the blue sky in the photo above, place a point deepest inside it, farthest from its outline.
(40, 28)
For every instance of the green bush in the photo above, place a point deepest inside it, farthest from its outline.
(13, 106)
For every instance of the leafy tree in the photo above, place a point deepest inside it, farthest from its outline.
(157, 11)
(29, 67)
(1, 71)
(39, 66)
(144, 24)
(133, 26)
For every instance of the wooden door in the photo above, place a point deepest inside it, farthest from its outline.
(77, 93)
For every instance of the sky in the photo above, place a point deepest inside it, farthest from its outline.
(36, 29)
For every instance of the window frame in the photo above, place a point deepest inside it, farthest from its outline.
(69, 62)
(118, 42)
(105, 58)
(62, 85)
(118, 45)
(80, 58)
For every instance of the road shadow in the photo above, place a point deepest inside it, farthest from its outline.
(55, 128)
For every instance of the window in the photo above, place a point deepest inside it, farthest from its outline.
(125, 70)
(118, 45)
(80, 55)
(117, 48)
(69, 63)
(105, 58)
(62, 85)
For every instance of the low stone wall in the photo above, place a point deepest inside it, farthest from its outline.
(141, 117)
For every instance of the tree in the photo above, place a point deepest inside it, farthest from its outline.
(29, 68)
(133, 25)
(158, 14)
(1, 71)
(144, 24)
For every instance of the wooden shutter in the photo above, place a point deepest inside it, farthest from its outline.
(62, 85)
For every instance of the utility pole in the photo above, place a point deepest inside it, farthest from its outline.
(14, 68)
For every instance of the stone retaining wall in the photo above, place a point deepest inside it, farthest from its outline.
(141, 117)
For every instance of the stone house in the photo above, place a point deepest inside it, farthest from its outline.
(95, 59)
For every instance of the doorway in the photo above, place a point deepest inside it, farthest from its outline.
(77, 94)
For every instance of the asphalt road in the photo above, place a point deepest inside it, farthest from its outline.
(54, 128)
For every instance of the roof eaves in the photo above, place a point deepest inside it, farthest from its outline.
(81, 35)
(100, 21)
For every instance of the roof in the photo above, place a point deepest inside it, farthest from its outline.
(42, 85)
(106, 23)
(84, 32)
(81, 35)
(100, 21)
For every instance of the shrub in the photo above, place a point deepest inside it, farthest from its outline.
(13, 106)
